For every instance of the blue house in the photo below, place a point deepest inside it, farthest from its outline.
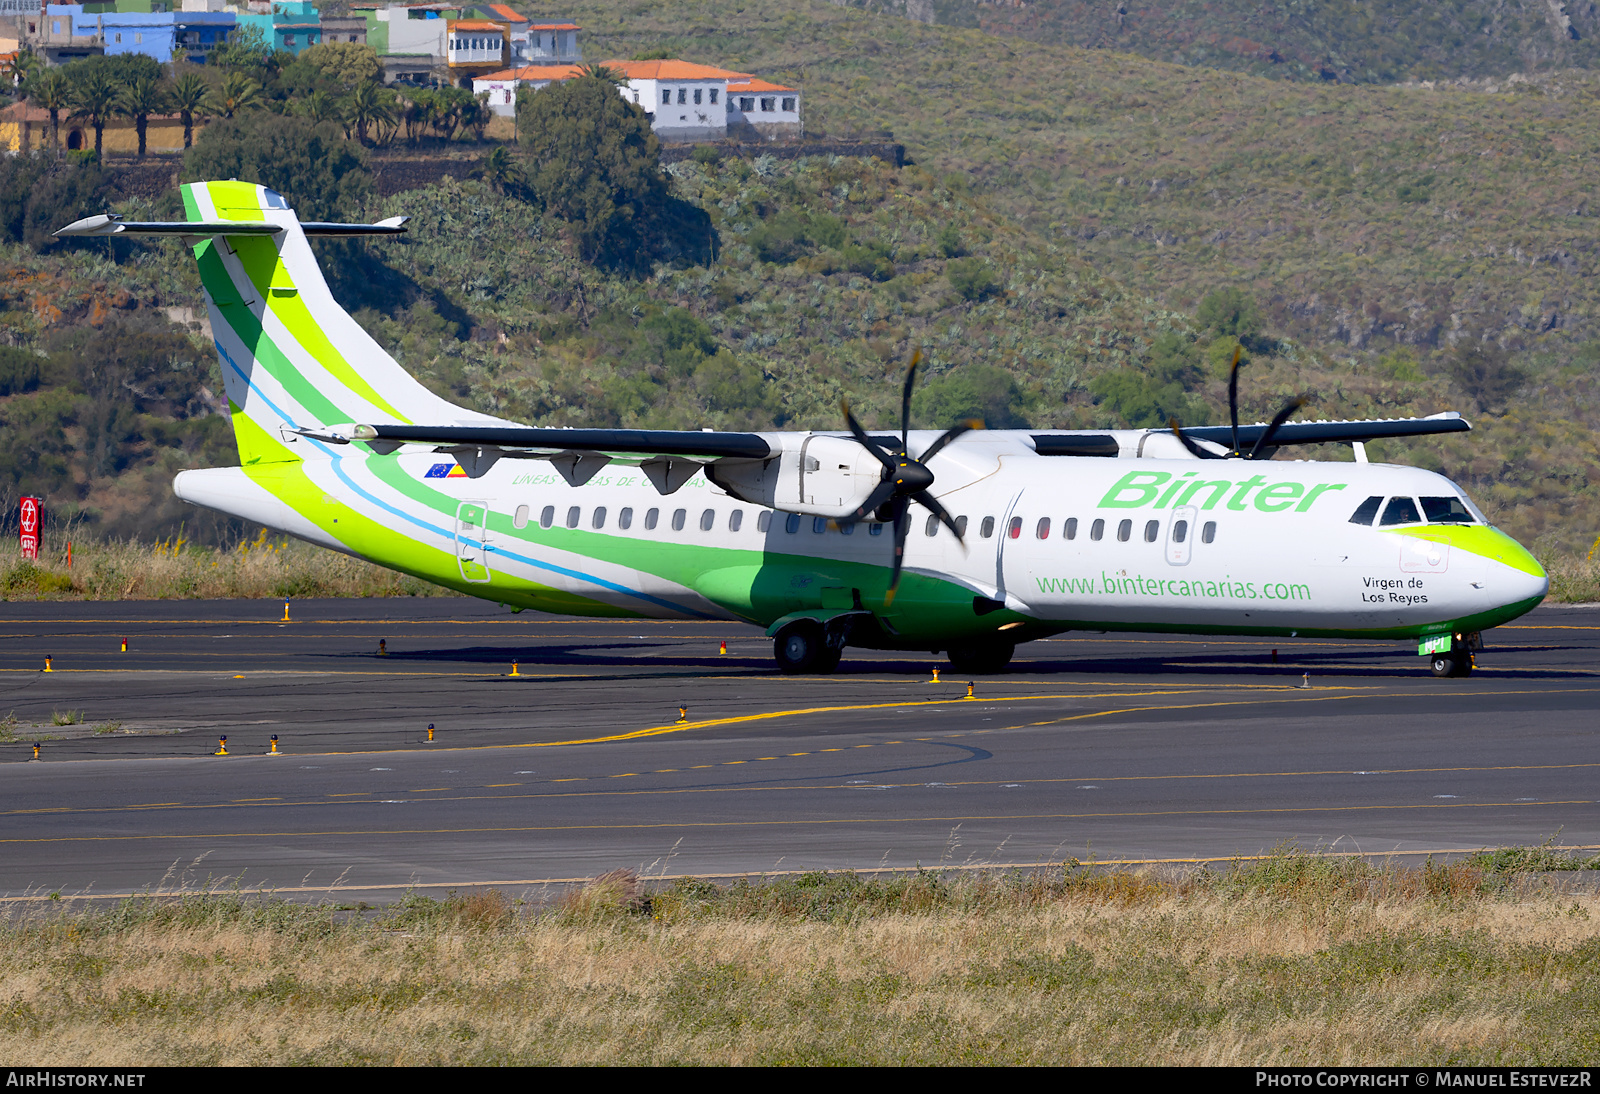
(293, 25)
(161, 35)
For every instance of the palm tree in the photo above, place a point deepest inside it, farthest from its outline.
(601, 72)
(239, 92)
(320, 106)
(500, 170)
(50, 91)
(370, 105)
(23, 63)
(139, 100)
(95, 95)
(191, 98)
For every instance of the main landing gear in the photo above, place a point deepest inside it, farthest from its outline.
(805, 647)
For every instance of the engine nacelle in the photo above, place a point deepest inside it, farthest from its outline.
(813, 474)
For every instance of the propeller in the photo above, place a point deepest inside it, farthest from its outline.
(1263, 448)
(905, 479)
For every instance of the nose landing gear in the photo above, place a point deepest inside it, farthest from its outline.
(1452, 655)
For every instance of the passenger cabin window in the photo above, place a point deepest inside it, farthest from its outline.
(986, 529)
(1014, 528)
(625, 519)
(708, 519)
(791, 523)
(1447, 511)
(1209, 533)
(1097, 530)
(650, 519)
(931, 528)
(1124, 531)
(1042, 529)
(847, 529)
(736, 520)
(519, 519)
(678, 517)
(819, 525)
(1072, 528)
(1401, 511)
(874, 529)
(1180, 531)
(572, 516)
(763, 521)
(961, 527)
(1366, 510)
(1152, 529)
(598, 521)
(547, 516)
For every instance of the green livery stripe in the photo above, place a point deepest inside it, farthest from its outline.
(256, 445)
(265, 267)
(746, 583)
(1479, 539)
(244, 324)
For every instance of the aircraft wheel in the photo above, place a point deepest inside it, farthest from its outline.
(981, 657)
(801, 648)
(1453, 664)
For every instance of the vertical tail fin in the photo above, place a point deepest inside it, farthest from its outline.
(291, 357)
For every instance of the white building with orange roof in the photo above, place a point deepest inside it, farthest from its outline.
(772, 110)
(685, 101)
(502, 86)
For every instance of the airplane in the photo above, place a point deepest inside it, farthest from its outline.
(982, 540)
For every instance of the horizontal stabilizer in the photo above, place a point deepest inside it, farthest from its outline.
(112, 224)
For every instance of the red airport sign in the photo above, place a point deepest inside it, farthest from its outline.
(28, 528)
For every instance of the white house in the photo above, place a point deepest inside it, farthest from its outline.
(502, 86)
(685, 102)
(772, 110)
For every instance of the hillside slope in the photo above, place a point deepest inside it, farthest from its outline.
(1351, 41)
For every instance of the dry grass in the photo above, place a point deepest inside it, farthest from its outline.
(1301, 960)
(175, 569)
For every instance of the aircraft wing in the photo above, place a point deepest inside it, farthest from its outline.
(616, 443)
(1109, 443)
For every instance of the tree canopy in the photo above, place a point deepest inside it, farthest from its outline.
(596, 164)
(323, 175)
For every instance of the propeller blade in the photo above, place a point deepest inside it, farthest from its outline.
(1233, 399)
(949, 435)
(901, 525)
(883, 493)
(1265, 440)
(927, 501)
(905, 402)
(866, 441)
(1188, 442)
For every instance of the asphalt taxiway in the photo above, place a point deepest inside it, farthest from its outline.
(628, 743)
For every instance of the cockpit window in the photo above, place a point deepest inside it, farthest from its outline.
(1447, 511)
(1367, 510)
(1401, 511)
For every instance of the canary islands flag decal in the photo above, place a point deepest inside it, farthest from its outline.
(446, 471)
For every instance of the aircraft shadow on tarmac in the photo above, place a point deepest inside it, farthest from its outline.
(668, 659)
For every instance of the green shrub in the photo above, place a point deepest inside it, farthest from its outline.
(971, 278)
